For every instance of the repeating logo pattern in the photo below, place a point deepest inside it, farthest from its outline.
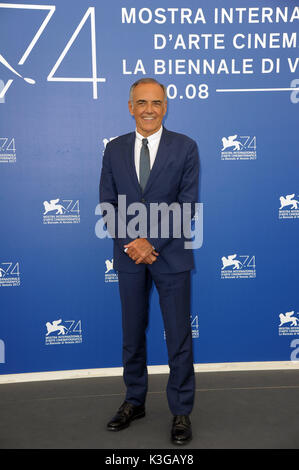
(8, 152)
(288, 323)
(61, 211)
(68, 332)
(110, 273)
(238, 267)
(236, 147)
(10, 275)
(289, 207)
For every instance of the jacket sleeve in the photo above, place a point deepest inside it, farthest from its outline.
(109, 194)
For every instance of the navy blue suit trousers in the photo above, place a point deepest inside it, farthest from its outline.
(174, 298)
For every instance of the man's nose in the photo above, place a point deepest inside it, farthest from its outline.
(149, 108)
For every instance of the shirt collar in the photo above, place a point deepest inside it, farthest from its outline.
(152, 137)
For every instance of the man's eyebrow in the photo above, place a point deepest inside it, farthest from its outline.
(153, 101)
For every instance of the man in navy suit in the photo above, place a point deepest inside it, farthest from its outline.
(152, 166)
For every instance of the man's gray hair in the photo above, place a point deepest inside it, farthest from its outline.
(146, 80)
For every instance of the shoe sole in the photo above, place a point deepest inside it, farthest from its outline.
(181, 442)
(124, 426)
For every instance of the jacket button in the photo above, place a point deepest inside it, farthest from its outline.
(143, 200)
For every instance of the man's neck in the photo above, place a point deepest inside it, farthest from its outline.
(150, 135)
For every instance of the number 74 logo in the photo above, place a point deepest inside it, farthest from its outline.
(90, 13)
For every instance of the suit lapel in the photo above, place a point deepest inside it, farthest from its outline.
(160, 159)
(130, 160)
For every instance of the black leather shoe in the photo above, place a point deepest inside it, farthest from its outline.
(126, 413)
(181, 431)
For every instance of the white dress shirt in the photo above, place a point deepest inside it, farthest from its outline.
(153, 145)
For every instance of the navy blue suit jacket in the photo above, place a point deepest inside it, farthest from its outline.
(173, 178)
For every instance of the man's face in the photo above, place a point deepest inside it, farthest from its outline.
(149, 107)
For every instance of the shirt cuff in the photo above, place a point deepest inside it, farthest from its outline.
(125, 250)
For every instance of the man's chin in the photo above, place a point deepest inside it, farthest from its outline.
(149, 129)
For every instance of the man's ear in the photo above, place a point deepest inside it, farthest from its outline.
(165, 104)
(130, 107)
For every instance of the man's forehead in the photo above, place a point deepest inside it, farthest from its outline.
(151, 91)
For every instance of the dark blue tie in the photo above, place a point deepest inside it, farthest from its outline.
(144, 165)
